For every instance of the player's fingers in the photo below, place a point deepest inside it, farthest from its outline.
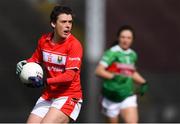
(23, 63)
(18, 70)
(19, 67)
(32, 79)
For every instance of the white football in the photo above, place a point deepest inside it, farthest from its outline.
(30, 69)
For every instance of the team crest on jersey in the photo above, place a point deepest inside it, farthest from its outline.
(59, 59)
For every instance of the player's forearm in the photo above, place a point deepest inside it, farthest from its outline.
(101, 72)
(67, 76)
(106, 75)
(138, 78)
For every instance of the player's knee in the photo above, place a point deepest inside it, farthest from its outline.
(113, 120)
(133, 120)
(56, 118)
(64, 119)
(34, 119)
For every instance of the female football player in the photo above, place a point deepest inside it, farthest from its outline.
(61, 53)
(117, 68)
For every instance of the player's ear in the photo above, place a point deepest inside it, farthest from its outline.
(52, 24)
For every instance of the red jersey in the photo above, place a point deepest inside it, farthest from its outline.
(57, 59)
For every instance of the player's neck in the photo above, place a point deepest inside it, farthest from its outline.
(123, 48)
(57, 39)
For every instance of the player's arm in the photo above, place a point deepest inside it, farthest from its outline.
(36, 57)
(73, 64)
(101, 69)
(143, 88)
(66, 77)
(138, 78)
(102, 72)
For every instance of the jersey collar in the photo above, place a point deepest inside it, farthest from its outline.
(122, 50)
(50, 36)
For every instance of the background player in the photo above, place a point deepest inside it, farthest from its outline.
(61, 54)
(117, 68)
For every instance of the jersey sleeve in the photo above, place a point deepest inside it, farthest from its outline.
(37, 55)
(135, 57)
(74, 58)
(65, 77)
(108, 58)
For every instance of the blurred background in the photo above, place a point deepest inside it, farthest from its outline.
(157, 25)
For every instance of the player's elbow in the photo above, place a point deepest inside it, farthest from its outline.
(98, 71)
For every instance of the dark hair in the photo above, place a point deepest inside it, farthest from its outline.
(57, 10)
(121, 29)
(126, 27)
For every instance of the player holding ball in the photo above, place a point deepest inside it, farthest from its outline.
(117, 68)
(61, 54)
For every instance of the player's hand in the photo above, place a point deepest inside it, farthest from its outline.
(142, 89)
(36, 82)
(19, 66)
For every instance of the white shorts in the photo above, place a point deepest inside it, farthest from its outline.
(69, 106)
(112, 109)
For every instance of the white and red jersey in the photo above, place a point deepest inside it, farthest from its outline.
(57, 59)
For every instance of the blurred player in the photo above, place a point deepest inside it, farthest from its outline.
(117, 68)
(61, 54)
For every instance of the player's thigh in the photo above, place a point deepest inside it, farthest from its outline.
(39, 111)
(130, 115)
(62, 109)
(112, 119)
(34, 118)
(129, 110)
(111, 110)
(55, 116)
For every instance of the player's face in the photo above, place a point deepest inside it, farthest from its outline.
(125, 39)
(63, 25)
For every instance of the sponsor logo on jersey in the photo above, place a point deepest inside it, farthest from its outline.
(55, 68)
(54, 58)
(124, 66)
(74, 59)
(122, 69)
